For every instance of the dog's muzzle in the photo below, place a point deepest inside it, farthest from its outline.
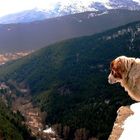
(111, 79)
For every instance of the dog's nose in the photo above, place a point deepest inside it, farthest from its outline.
(110, 80)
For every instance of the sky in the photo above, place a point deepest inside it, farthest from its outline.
(14, 6)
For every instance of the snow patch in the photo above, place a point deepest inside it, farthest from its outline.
(49, 131)
(106, 3)
(138, 1)
(132, 124)
(106, 12)
(91, 15)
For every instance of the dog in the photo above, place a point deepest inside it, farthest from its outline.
(126, 71)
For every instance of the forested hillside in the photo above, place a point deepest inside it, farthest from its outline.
(11, 127)
(69, 81)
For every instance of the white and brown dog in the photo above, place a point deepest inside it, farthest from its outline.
(126, 71)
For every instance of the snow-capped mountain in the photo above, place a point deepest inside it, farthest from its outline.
(125, 4)
(76, 6)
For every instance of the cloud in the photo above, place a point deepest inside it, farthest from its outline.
(13, 6)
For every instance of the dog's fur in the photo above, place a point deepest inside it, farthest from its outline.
(126, 71)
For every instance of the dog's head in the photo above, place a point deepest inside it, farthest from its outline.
(118, 69)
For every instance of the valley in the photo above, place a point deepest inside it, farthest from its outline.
(34, 119)
(6, 57)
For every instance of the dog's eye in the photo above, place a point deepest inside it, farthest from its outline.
(116, 74)
(112, 72)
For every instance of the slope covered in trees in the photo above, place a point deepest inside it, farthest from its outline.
(10, 125)
(69, 81)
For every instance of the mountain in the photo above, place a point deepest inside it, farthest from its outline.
(69, 81)
(24, 17)
(71, 7)
(34, 35)
(125, 4)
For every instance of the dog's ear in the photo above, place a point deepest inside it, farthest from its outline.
(117, 68)
(120, 66)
